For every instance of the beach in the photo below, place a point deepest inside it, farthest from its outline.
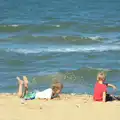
(69, 107)
(69, 41)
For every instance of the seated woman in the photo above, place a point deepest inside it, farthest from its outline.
(100, 90)
(49, 93)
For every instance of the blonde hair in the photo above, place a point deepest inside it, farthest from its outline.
(101, 76)
(57, 86)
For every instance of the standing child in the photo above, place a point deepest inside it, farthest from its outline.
(100, 90)
(49, 93)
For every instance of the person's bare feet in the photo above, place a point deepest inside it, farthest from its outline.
(25, 81)
(19, 80)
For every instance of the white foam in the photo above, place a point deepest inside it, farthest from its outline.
(100, 69)
(57, 25)
(95, 38)
(14, 25)
(97, 48)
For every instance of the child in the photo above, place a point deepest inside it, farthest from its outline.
(49, 93)
(100, 90)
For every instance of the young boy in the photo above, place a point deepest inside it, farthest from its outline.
(49, 93)
(100, 90)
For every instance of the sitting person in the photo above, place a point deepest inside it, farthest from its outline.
(49, 93)
(100, 90)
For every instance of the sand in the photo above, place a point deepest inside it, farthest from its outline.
(69, 107)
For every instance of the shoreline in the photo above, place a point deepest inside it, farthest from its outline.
(62, 96)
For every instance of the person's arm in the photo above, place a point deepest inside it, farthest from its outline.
(111, 85)
(104, 96)
(55, 96)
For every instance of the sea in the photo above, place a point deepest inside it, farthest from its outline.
(67, 40)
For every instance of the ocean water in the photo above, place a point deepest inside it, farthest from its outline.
(68, 40)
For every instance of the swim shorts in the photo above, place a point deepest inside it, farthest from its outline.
(30, 96)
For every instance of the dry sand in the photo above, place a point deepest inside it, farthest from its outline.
(70, 107)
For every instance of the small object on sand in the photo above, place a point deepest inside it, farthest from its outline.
(22, 101)
(41, 106)
(77, 105)
(85, 101)
(66, 98)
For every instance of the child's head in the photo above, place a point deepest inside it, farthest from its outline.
(101, 76)
(57, 87)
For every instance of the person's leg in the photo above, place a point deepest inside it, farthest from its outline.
(109, 98)
(20, 88)
(112, 97)
(25, 85)
(117, 98)
(27, 95)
